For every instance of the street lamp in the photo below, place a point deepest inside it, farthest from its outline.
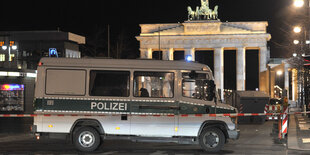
(299, 3)
(296, 42)
(297, 29)
(14, 47)
(279, 72)
(4, 47)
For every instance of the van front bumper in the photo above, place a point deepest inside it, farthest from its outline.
(233, 134)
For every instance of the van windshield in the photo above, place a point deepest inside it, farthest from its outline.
(195, 87)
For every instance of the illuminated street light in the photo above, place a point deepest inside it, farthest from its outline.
(296, 42)
(297, 29)
(14, 47)
(4, 47)
(299, 3)
(10, 47)
(279, 72)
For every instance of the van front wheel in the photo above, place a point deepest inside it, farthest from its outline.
(86, 139)
(212, 139)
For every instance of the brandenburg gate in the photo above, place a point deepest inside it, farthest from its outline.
(198, 35)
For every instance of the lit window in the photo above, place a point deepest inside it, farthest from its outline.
(2, 57)
(11, 57)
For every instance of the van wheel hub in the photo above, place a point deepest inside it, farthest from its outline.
(86, 139)
(211, 139)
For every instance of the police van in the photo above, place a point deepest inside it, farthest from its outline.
(89, 101)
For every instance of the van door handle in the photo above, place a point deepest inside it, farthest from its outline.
(124, 117)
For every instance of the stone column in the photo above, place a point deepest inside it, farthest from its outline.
(294, 85)
(168, 54)
(240, 68)
(146, 53)
(286, 79)
(219, 69)
(263, 51)
(190, 51)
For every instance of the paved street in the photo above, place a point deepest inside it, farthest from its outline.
(254, 139)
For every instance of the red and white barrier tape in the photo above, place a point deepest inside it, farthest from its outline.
(18, 115)
(170, 115)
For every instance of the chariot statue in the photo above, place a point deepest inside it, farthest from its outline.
(203, 12)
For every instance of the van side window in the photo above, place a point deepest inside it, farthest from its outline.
(153, 84)
(196, 86)
(60, 82)
(109, 83)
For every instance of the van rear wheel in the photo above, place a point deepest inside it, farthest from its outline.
(86, 139)
(212, 139)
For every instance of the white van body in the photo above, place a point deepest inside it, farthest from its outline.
(107, 96)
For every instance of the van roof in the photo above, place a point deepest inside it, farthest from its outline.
(123, 63)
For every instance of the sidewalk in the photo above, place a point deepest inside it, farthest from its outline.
(298, 131)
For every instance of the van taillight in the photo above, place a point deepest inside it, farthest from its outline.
(40, 64)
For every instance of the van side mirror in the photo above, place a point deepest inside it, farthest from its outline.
(210, 90)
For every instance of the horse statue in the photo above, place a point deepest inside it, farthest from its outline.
(197, 13)
(214, 13)
(191, 13)
(205, 11)
(204, 2)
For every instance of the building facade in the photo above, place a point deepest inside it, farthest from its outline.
(199, 35)
(20, 52)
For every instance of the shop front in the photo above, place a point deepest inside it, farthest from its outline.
(16, 97)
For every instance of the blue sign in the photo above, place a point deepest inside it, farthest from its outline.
(52, 52)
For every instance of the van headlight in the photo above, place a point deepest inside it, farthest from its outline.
(234, 120)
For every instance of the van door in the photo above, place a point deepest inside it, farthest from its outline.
(114, 87)
(153, 110)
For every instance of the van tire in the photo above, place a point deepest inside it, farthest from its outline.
(212, 139)
(86, 139)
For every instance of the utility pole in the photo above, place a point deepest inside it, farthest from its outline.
(158, 42)
(108, 41)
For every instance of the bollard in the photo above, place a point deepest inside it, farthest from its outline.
(280, 127)
(284, 120)
(280, 124)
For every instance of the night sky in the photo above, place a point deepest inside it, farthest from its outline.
(88, 17)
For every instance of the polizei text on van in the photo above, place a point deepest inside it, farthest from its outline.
(108, 106)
